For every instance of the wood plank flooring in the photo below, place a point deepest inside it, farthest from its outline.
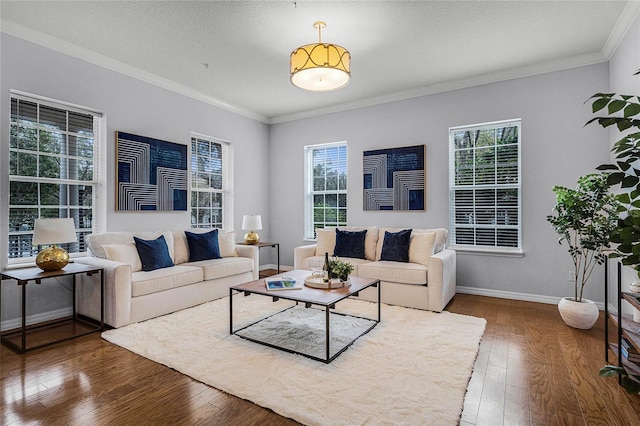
(531, 370)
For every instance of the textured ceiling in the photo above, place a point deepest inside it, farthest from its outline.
(238, 52)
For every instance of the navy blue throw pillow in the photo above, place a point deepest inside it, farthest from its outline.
(395, 246)
(350, 244)
(203, 246)
(154, 254)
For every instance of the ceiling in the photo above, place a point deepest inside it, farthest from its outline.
(235, 54)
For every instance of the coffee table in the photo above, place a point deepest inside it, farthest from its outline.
(308, 296)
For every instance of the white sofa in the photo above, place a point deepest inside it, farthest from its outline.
(133, 295)
(427, 281)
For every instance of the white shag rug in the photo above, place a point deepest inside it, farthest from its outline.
(412, 368)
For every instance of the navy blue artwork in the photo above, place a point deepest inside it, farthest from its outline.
(394, 178)
(151, 174)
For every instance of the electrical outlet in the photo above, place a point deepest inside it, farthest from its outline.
(571, 276)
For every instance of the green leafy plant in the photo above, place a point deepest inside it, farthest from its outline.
(622, 112)
(585, 218)
(340, 268)
(630, 383)
(624, 172)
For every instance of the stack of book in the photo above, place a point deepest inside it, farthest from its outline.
(629, 352)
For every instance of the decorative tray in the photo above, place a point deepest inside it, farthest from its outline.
(317, 282)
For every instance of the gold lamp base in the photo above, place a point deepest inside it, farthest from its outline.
(251, 238)
(52, 258)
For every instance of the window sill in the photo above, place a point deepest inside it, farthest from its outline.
(488, 252)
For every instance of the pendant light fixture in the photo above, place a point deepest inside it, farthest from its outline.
(320, 67)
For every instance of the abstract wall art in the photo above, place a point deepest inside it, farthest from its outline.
(394, 178)
(151, 174)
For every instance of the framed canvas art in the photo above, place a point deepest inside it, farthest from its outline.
(394, 178)
(151, 174)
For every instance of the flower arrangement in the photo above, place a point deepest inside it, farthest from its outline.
(340, 268)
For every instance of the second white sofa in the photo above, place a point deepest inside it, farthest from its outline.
(426, 281)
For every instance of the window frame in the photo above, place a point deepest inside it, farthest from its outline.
(98, 191)
(309, 192)
(479, 248)
(227, 197)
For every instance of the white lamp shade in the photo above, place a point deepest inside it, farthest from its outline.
(54, 231)
(251, 222)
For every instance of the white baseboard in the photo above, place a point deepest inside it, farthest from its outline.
(527, 297)
(11, 324)
(283, 268)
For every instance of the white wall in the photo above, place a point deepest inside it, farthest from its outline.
(556, 149)
(136, 107)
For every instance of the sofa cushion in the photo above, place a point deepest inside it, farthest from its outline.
(223, 267)
(124, 253)
(154, 254)
(203, 246)
(326, 240)
(164, 279)
(96, 242)
(421, 247)
(395, 246)
(441, 238)
(350, 244)
(226, 243)
(397, 272)
(307, 262)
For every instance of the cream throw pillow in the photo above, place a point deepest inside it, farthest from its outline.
(325, 241)
(125, 253)
(227, 244)
(421, 247)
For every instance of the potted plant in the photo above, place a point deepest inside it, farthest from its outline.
(584, 218)
(623, 111)
(340, 268)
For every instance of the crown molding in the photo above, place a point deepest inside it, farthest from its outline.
(536, 69)
(50, 42)
(631, 11)
(620, 29)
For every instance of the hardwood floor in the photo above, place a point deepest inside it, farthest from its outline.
(531, 370)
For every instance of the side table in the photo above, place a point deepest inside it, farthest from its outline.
(266, 244)
(67, 327)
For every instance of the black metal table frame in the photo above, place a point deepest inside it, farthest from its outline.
(261, 244)
(328, 358)
(24, 329)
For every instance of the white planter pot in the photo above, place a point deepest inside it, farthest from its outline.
(580, 315)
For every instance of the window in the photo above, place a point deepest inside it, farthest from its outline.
(53, 170)
(211, 183)
(485, 187)
(325, 186)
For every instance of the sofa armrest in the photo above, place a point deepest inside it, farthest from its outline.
(117, 292)
(252, 253)
(441, 279)
(300, 253)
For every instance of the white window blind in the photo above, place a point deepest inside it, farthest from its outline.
(53, 170)
(211, 183)
(325, 186)
(485, 187)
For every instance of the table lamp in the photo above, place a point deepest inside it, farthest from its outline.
(251, 223)
(53, 231)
